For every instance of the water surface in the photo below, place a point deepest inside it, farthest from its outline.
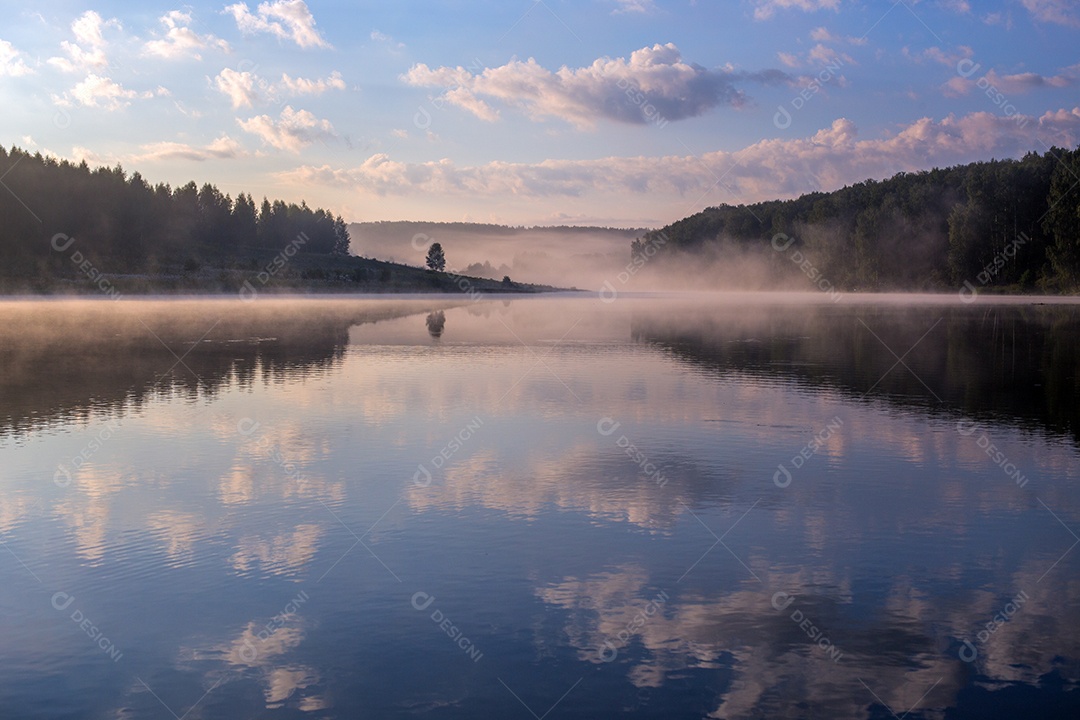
(665, 507)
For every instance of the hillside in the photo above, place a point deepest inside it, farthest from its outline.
(1001, 224)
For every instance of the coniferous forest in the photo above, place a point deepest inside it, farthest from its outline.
(121, 224)
(1006, 224)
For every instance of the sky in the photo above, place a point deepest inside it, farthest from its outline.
(627, 113)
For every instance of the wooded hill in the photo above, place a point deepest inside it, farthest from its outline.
(125, 225)
(1005, 224)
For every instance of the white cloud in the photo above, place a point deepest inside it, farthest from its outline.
(11, 62)
(98, 91)
(296, 21)
(962, 7)
(243, 88)
(768, 169)
(293, 131)
(223, 148)
(81, 154)
(767, 8)
(400, 133)
(303, 86)
(654, 79)
(828, 56)
(639, 7)
(88, 52)
(821, 34)
(387, 40)
(1058, 12)
(89, 28)
(464, 99)
(789, 59)
(181, 41)
(948, 58)
(246, 89)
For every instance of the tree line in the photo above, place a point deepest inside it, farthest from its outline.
(123, 224)
(1002, 223)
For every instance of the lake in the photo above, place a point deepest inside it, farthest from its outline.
(675, 506)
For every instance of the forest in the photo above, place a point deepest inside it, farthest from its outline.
(55, 210)
(1008, 225)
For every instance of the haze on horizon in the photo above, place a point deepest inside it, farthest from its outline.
(624, 113)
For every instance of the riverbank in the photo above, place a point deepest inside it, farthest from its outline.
(303, 273)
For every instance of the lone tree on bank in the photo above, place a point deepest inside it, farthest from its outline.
(436, 259)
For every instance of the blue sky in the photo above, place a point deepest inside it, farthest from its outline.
(615, 112)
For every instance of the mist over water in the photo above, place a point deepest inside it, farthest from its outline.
(676, 505)
(810, 258)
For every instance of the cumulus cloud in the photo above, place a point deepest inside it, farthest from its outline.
(773, 168)
(103, 92)
(1058, 12)
(292, 131)
(614, 89)
(242, 88)
(181, 41)
(246, 89)
(88, 52)
(303, 86)
(11, 62)
(285, 19)
(767, 8)
(223, 148)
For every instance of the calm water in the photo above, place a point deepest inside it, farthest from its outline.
(544, 507)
